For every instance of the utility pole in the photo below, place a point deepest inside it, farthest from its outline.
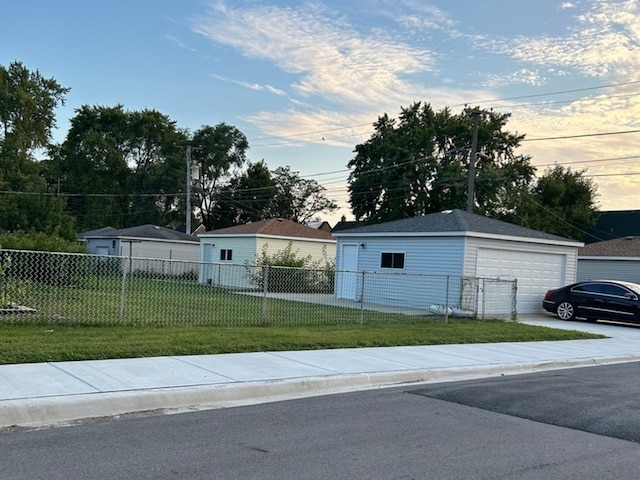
(188, 219)
(475, 115)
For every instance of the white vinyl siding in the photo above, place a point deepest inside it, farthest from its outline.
(230, 274)
(238, 272)
(318, 250)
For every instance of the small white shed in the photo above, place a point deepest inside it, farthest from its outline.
(617, 259)
(149, 244)
(228, 255)
(452, 243)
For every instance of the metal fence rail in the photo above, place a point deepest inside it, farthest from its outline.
(97, 290)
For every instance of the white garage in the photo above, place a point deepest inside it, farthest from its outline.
(458, 245)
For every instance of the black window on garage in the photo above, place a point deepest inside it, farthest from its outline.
(391, 260)
(226, 254)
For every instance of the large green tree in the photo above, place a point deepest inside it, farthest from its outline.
(258, 193)
(562, 201)
(419, 164)
(28, 101)
(220, 152)
(298, 199)
(121, 168)
(247, 197)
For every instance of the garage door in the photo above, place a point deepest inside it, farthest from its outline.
(536, 273)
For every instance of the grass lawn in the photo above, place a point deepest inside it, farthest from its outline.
(46, 342)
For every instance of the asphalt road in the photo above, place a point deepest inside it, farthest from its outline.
(571, 424)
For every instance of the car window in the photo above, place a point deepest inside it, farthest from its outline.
(588, 288)
(615, 290)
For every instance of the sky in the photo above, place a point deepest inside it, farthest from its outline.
(305, 81)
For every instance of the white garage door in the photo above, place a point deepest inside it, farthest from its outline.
(536, 273)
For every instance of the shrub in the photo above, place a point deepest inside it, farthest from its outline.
(289, 273)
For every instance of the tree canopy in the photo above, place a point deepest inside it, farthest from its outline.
(120, 168)
(419, 164)
(27, 117)
(561, 201)
(258, 193)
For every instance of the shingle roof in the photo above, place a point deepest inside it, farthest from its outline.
(452, 221)
(143, 231)
(274, 226)
(97, 232)
(618, 247)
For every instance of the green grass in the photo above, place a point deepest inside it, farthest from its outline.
(84, 320)
(43, 342)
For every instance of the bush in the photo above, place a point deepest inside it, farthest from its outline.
(40, 242)
(289, 273)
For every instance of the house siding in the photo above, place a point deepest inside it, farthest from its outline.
(608, 269)
(319, 251)
(431, 273)
(231, 274)
(240, 271)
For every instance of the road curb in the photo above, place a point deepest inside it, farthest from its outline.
(43, 411)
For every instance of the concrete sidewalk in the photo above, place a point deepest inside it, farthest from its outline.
(50, 393)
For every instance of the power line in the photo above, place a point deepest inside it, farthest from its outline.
(562, 92)
(505, 99)
(564, 137)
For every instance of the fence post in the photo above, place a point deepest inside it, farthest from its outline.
(514, 300)
(446, 306)
(362, 299)
(264, 318)
(122, 291)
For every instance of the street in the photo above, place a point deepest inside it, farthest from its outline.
(579, 423)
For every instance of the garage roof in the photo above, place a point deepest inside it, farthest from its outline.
(453, 221)
(618, 247)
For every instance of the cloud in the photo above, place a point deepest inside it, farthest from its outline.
(329, 58)
(251, 86)
(604, 43)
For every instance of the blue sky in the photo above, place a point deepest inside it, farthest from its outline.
(304, 81)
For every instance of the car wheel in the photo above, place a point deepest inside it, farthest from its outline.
(566, 311)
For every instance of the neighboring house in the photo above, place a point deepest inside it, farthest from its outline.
(614, 224)
(227, 252)
(617, 259)
(452, 243)
(145, 241)
(345, 224)
(199, 229)
(322, 225)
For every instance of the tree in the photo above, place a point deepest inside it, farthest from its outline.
(247, 197)
(121, 168)
(561, 202)
(419, 164)
(218, 151)
(27, 117)
(298, 199)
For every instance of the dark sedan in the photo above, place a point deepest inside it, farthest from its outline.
(595, 300)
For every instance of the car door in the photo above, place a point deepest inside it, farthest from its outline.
(620, 303)
(587, 300)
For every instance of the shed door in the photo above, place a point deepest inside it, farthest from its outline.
(536, 273)
(348, 285)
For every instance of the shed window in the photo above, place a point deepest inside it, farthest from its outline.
(226, 254)
(391, 260)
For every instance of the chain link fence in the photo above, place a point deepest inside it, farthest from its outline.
(81, 289)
